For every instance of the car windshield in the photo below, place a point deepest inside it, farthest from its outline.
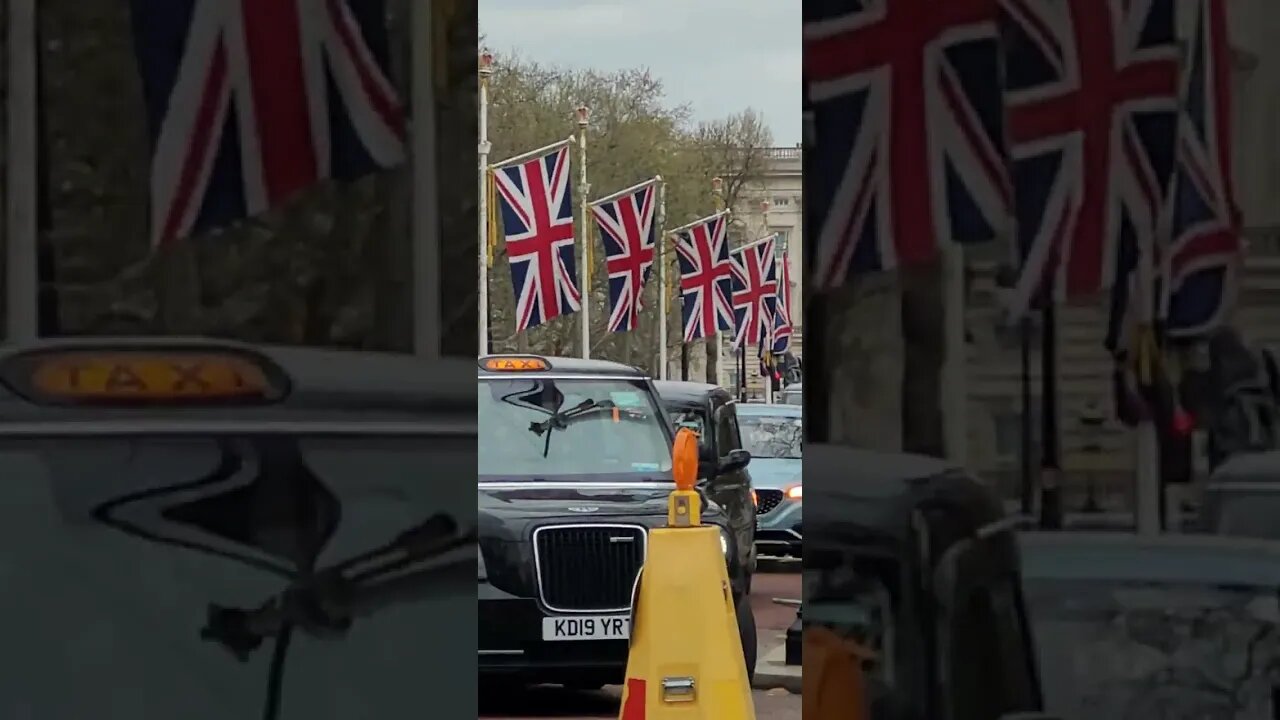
(542, 427)
(1129, 651)
(143, 573)
(694, 420)
(771, 436)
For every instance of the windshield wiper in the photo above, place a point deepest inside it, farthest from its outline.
(325, 603)
(559, 420)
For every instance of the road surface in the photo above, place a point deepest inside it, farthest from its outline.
(771, 622)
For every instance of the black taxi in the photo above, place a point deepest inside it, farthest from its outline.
(914, 560)
(574, 467)
(204, 529)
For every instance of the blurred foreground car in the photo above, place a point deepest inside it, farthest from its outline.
(1172, 626)
(204, 529)
(914, 560)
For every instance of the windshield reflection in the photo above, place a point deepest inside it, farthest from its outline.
(772, 437)
(538, 427)
(232, 577)
(1116, 651)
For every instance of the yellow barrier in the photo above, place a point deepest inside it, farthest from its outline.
(686, 656)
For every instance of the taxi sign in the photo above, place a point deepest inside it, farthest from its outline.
(515, 364)
(127, 376)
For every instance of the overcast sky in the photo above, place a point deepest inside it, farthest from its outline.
(719, 56)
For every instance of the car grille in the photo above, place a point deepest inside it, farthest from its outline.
(768, 499)
(588, 568)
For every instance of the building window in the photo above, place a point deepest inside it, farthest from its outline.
(781, 201)
(780, 243)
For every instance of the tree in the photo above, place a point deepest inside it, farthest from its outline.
(633, 135)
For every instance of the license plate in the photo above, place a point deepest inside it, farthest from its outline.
(586, 627)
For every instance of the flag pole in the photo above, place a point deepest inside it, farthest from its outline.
(661, 238)
(515, 159)
(584, 189)
(21, 242)
(699, 221)
(426, 226)
(955, 370)
(767, 336)
(486, 70)
(1148, 510)
(715, 343)
(655, 180)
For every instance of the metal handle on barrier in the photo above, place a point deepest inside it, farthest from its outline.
(678, 689)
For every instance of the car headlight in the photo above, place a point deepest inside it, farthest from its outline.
(481, 575)
(795, 492)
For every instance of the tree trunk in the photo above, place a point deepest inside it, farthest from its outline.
(924, 355)
(862, 363)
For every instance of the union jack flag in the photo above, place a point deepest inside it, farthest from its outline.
(251, 102)
(1202, 259)
(627, 231)
(780, 337)
(537, 223)
(755, 291)
(706, 283)
(1205, 221)
(1092, 100)
(907, 120)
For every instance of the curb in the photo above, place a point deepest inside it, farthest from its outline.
(772, 671)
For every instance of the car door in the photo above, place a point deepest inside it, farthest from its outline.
(732, 490)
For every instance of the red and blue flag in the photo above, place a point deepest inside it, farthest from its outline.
(706, 272)
(903, 101)
(627, 230)
(537, 222)
(755, 292)
(250, 103)
(1091, 90)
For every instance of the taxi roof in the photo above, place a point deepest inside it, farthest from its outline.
(866, 492)
(338, 386)
(559, 366)
(686, 394)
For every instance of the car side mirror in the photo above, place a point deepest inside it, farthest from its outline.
(735, 460)
(706, 470)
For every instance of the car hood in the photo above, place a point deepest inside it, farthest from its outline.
(537, 499)
(774, 473)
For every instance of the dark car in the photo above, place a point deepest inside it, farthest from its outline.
(712, 412)
(1169, 626)
(574, 470)
(774, 435)
(1242, 497)
(206, 530)
(914, 560)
